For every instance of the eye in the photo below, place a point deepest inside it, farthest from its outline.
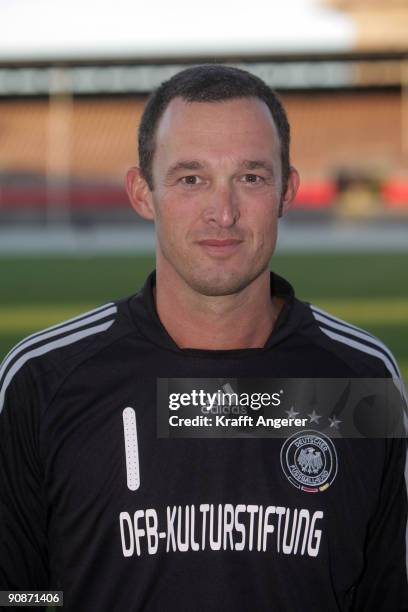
(252, 178)
(192, 179)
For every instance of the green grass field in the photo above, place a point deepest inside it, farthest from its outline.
(370, 290)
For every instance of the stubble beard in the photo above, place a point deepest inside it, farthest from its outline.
(217, 283)
(214, 279)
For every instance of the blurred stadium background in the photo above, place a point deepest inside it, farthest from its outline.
(71, 94)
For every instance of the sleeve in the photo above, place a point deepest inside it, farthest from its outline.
(23, 519)
(383, 585)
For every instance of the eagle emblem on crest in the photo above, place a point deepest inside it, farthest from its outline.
(310, 460)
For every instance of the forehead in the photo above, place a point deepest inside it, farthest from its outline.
(219, 126)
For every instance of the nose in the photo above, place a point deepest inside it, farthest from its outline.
(223, 209)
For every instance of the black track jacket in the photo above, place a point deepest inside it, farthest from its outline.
(181, 526)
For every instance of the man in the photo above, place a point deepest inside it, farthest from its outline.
(95, 503)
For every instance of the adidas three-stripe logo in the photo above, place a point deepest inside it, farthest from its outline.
(361, 340)
(63, 334)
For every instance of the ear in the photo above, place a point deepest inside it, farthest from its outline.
(290, 192)
(139, 193)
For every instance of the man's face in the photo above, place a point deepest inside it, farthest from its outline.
(217, 190)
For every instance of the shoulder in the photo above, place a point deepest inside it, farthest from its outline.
(54, 349)
(363, 353)
(354, 343)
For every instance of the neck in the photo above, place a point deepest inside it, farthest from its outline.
(238, 321)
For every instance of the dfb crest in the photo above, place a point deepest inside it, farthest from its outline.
(309, 461)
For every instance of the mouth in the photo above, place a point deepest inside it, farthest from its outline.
(220, 247)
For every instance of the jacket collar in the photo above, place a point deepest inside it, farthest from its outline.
(145, 316)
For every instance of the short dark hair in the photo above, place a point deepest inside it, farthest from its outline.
(209, 83)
